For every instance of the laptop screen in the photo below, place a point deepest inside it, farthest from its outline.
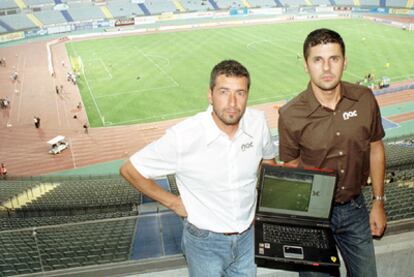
(297, 192)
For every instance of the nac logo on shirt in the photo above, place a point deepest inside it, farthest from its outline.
(246, 146)
(348, 115)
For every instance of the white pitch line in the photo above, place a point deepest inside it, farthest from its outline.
(90, 92)
(164, 116)
(134, 91)
(159, 67)
(106, 69)
(93, 97)
(161, 58)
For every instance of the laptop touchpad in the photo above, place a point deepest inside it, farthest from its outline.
(294, 252)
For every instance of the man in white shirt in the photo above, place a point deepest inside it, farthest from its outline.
(215, 156)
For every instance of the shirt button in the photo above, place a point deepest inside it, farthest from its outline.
(340, 153)
(338, 134)
(342, 187)
(342, 171)
(334, 113)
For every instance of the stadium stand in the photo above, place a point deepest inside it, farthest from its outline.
(4, 29)
(144, 8)
(124, 8)
(18, 21)
(370, 3)
(85, 11)
(193, 5)
(179, 6)
(36, 14)
(400, 153)
(400, 196)
(264, 3)
(32, 241)
(213, 3)
(160, 6)
(31, 3)
(344, 2)
(227, 4)
(7, 4)
(397, 3)
(35, 20)
(11, 223)
(106, 12)
(293, 3)
(65, 246)
(13, 188)
(86, 196)
(50, 17)
(321, 2)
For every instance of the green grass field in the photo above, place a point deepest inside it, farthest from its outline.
(290, 195)
(153, 77)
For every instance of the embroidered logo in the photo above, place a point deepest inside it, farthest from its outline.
(348, 115)
(246, 146)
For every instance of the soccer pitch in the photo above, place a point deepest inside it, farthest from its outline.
(286, 194)
(159, 76)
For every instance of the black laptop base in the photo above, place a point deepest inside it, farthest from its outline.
(292, 253)
(294, 267)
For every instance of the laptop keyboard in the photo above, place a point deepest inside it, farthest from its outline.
(295, 236)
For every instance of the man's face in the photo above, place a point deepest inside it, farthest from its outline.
(325, 65)
(229, 99)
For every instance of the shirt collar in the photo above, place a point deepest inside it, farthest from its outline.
(313, 103)
(213, 131)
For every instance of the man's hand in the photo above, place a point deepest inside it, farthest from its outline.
(152, 189)
(377, 218)
(178, 207)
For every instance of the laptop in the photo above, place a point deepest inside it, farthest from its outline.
(292, 217)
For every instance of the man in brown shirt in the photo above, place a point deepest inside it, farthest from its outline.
(337, 125)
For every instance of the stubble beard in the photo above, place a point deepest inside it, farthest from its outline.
(229, 120)
(327, 87)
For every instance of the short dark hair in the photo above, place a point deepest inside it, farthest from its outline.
(322, 36)
(229, 68)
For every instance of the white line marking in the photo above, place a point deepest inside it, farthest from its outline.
(167, 61)
(21, 88)
(106, 69)
(57, 110)
(148, 57)
(73, 155)
(93, 97)
(134, 91)
(164, 116)
(89, 88)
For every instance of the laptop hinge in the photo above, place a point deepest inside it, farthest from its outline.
(296, 221)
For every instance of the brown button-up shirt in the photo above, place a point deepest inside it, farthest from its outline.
(336, 139)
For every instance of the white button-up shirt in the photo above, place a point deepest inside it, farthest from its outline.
(216, 175)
